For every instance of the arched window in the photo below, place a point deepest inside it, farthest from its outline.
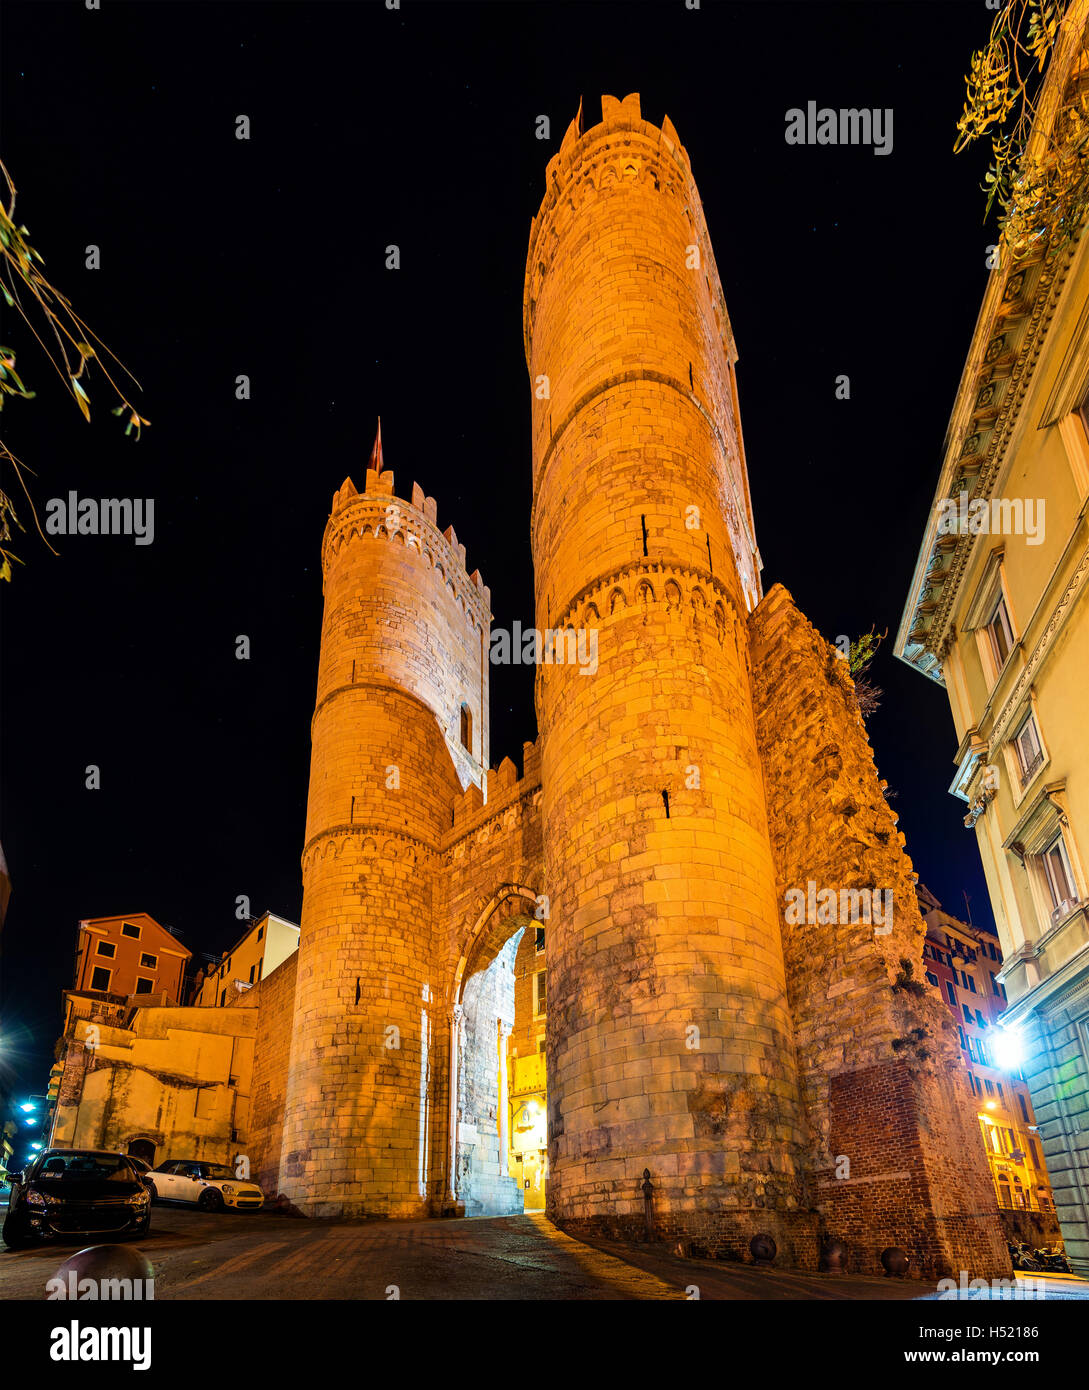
(466, 728)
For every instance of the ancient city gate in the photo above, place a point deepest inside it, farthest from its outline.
(707, 760)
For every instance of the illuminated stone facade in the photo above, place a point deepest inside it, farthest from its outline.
(696, 759)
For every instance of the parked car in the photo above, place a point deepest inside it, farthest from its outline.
(76, 1192)
(212, 1186)
(144, 1169)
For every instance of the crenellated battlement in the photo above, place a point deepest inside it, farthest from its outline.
(622, 147)
(367, 515)
(504, 788)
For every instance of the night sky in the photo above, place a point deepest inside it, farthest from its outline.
(265, 257)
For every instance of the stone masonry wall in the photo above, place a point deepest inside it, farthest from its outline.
(274, 999)
(668, 1041)
(881, 1075)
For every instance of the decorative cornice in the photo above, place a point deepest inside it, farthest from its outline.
(642, 571)
(1019, 304)
(364, 517)
(395, 843)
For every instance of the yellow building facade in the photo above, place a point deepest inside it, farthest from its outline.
(997, 615)
(155, 1082)
(266, 943)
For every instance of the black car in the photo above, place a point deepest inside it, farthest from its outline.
(76, 1192)
(144, 1170)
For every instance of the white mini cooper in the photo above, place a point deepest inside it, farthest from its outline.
(212, 1186)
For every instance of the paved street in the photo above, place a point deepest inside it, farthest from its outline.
(197, 1255)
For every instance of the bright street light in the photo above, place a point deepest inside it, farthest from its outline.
(1009, 1051)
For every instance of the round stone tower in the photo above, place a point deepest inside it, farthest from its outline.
(669, 1039)
(399, 729)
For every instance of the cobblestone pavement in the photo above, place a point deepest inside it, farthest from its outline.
(197, 1255)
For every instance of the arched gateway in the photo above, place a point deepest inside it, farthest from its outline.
(488, 1031)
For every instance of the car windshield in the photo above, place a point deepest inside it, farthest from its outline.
(81, 1167)
(218, 1171)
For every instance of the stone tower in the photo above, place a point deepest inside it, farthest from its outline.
(400, 728)
(670, 1045)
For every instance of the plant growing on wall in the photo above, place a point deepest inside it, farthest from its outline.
(64, 338)
(862, 652)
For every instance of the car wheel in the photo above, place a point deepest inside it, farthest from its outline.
(211, 1200)
(14, 1234)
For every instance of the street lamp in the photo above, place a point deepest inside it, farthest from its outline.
(1009, 1050)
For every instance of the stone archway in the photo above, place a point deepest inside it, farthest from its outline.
(484, 1014)
(142, 1148)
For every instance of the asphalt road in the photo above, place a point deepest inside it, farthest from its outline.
(198, 1255)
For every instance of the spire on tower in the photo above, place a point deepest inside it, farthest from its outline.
(376, 452)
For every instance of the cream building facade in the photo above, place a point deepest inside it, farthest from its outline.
(266, 943)
(997, 615)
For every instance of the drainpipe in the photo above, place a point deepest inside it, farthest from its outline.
(456, 1025)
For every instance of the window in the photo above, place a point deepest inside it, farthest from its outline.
(981, 1048)
(1000, 632)
(960, 1034)
(1024, 1108)
(144, 985)
(106, 948)
(951, 992)
(1035, 1152)
(100, 978)
(967, 1014)
(932, 978)
(980, 1020)
(130, 929)
(539, 992)
(222, 997)
(1030, 755)
(971, 983)
(466, 728)
(252, 969)
(998, 1088)
(990, 1087)
(148, 961)
(540, 1044)
(260, 933)
(1060, 880)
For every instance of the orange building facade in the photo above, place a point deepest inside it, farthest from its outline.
(129, 955)
(964, 964)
